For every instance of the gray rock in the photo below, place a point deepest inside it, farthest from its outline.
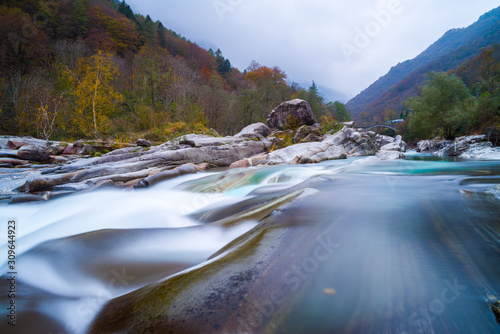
(4, 140)
(302, 133)
(350, 124)
(390, 155)
(307, 153)
(427, 146)
(166, 175)
(311, 138)
(143, 143)
(6, 153)
(291, 114)
(254, 130)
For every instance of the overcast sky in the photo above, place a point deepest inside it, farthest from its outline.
(343, 45)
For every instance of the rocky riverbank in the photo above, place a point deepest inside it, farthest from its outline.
(37, 170)
(469, 147)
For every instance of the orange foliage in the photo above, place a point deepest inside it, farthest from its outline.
(264, 73)
(205, 73)
(112, 32)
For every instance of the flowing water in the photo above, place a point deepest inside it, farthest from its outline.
(407, 246)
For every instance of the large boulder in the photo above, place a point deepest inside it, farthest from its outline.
(291, 114)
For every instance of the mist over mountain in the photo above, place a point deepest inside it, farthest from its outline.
(453, 49)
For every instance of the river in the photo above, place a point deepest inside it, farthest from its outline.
(345, 246)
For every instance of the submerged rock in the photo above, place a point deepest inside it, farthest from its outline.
(221, 295)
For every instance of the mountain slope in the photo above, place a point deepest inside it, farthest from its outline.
(455, 47)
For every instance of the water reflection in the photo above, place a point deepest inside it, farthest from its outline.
(409, 246)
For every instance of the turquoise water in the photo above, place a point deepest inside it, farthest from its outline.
(409, 246)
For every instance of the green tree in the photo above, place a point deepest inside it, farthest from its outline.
(315, 100)
(80, 17)
(223, 64)
(338, 111)
(442, 109)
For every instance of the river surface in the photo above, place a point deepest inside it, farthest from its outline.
(407, 246)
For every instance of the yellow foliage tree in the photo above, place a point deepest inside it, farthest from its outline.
(93, 92)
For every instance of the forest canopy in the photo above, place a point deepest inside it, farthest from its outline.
(94, 68)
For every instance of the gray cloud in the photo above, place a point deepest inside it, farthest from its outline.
(343, 45)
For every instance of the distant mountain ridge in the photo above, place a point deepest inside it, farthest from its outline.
(454, 48)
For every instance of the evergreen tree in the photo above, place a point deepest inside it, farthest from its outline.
(223, 65)
(127, 11)
(80, 17)
(315, 100)
(161, 35)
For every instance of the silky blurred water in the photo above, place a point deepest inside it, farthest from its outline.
(418, 246)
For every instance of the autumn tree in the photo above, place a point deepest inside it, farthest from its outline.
(489, 72)
(51, 104)
(271, 86)
(93, 92)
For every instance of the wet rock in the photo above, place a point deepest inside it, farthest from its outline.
(16, 199)
(15, 145)
(13, 162)
(143, 143)
(8, 153)
(165, 175)
(48, 195)
(46, 182)
(4, 140)
(33, 153)
(390, 155)
(202, 167)
(291, 114)
(471, 147)
(427, 146)
(70, 150)
(59, 159)
(307, 153)
(248, 162)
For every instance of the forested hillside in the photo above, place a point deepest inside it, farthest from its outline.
(457, 46)
(93, 68)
